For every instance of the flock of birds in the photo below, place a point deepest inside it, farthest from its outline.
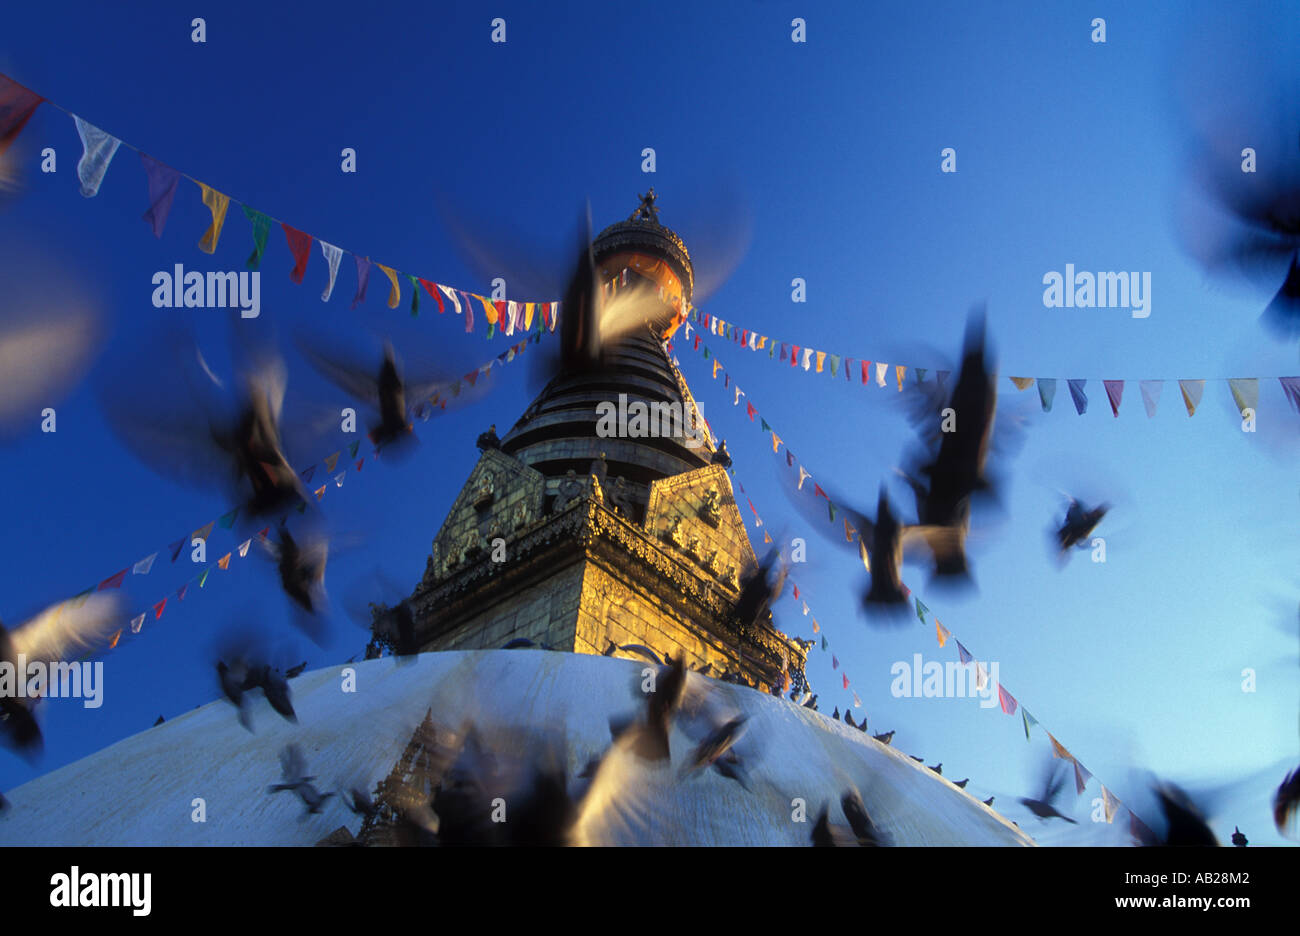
(460, 785)
(239, 442)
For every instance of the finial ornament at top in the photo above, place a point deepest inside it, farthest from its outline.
(647, 210)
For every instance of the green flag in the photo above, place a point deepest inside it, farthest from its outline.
(921, 610)
(261, 228)
(415, 294)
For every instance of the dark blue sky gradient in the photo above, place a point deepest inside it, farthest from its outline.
(818, 160)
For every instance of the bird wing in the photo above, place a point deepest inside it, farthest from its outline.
(69, 626)
(293, 766)
(353, 379)
(619, 805)
(40, 359)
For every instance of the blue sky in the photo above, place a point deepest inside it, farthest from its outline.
(820, 160)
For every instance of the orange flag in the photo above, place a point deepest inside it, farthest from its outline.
(395, 293)
(217, 204)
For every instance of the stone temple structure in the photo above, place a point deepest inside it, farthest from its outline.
(582, 542)
(564, 538)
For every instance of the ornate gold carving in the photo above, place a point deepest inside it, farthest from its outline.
(709, 511)
(486, 492)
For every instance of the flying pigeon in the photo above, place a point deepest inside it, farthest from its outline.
(759, 589)
(954, 470)
(855, 811)
(1079, 523)
(1285, 802)
(719, 742)
(1255, 228)
(293, 769)
(51, 636)
(1185, 823)
(1053, 780)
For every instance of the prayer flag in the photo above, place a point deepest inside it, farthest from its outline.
(162, 181)
(217, 203)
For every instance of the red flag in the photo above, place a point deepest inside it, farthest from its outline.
(846, 680)
(796, 591)
(1114, 392)
(697, 341)
(866, 367)
(300, 247)
(434, 291)
(749, 408)
(113, 581)
(17, 104)
(817, 489)
(158, 609)
(1006, 700)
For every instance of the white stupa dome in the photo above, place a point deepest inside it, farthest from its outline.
(142, 790)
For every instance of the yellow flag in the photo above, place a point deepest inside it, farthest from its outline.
(862, 552)
(489, 310)
(1192, 390)
(202, 532)
(899, 371)
(1022, 382)
(776, 441)
(224, 562)
(394, 294)
(821, 356)
(217, 204)
(941, 632)
(528, 315)
(716, 365)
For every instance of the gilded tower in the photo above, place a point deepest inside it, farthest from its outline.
(574, 540)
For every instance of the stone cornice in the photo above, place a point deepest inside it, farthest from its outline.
(587, 530)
